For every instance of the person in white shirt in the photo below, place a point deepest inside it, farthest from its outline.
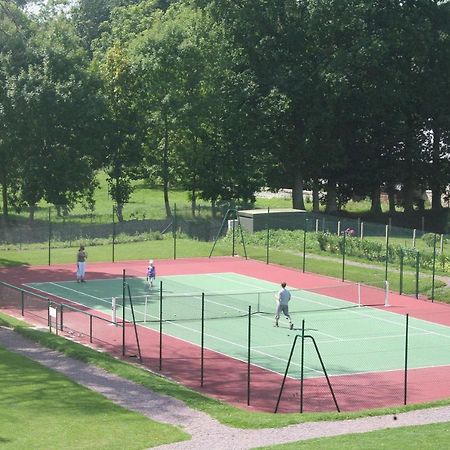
(282, 298)
(81, 264)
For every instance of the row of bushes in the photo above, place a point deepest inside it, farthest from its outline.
(363, 249)
(121, 238)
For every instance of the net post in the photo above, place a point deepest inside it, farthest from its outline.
(114, 310)
(145, 308)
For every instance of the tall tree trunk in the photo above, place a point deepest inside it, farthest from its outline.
(408, 197)
(5, 200)
(31, 213)
(193, 202)
(315, 195)
(331, 205)
(194, 179)
(436, 187)
(391, 198)
(119, 211)
(165, 169)
(297, 192)
(375, 208)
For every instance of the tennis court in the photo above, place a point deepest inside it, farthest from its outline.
(352, 338)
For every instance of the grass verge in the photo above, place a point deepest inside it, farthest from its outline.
(425, 437)
(42, 409)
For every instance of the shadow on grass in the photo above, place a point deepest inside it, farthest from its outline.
(10, 263)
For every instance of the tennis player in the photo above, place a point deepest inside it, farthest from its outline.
(81, 264)
(282, 298)
(151, 273)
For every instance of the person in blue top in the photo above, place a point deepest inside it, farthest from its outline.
(151, 273)
(282, 298)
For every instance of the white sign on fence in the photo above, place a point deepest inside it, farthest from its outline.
(52, 311)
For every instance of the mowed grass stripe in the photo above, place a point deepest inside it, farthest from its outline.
(42, 409)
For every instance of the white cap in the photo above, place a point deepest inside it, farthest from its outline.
(151, 261)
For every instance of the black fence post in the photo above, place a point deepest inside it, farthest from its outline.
(202, 343)
(401, 272)
(387, 254)
(160, 324)
(268, 236)
(417, 273)
(49, 234)
(343, 257)
(123, 312)
(302, 363)
(174, 231)
(406, 360)
(249, 353)
(113, 233)
(434, 269)
(304, 245)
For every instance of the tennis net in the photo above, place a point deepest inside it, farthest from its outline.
(233, 304)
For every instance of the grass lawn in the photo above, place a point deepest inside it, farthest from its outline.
(425, 437)
(42, 409)
(158, 249)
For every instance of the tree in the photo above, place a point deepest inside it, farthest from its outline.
(56, 94)
(123, 137)
(15, 30)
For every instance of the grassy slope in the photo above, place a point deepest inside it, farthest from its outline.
(57, 412)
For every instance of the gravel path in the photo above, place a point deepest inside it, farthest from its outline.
(206, 432)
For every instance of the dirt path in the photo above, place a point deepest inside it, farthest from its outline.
(207, 433)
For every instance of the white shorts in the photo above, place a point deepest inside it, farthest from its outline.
(81, 270)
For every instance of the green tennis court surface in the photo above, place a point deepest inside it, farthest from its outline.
(352, 339)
